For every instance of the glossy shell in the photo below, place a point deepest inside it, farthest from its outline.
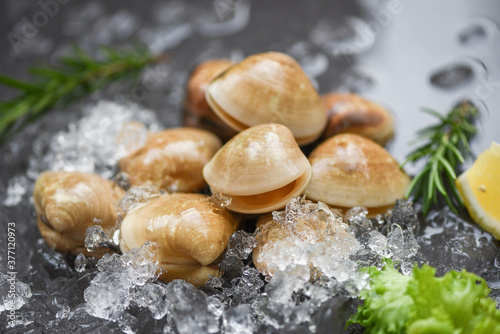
(349, 170)
(197, 112)
(172, 159)
(191, 234)
(260, 169)
(350, 113)
(268, 88)
(66, 203)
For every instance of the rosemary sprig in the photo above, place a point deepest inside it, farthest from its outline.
(446, 145)
(73, 77)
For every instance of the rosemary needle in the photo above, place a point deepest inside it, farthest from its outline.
(446, 145)
(73, 77)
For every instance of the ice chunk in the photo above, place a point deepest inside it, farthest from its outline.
(95, 238)
(305, 235)
(238, 320)
(245, 288)
(13, 293)
(80, 263)
(404, 215)
(109, 293)
(457, 244)
(17, 187)
(137, 196)
(154, 297)
(241, 244)
(191, 310)
(92, 143)
(219, 200)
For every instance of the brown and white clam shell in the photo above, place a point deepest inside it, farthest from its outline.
(268, 88)
(349, 170)
(190, 232)
(260, 169)
(66, 203)
(172, 159)
(197, 112)
(350, 113)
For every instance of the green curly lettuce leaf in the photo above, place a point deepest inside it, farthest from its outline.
(456, 303)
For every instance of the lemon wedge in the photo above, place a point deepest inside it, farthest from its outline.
(479, 187)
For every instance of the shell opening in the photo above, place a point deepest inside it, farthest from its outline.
(271, 200)
(230, 120)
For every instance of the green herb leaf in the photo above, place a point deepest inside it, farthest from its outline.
(74, 77)
(447, 145)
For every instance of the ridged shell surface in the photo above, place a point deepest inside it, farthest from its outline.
(268, 88)
(66, 203)
(350, 113)
(349, 170)
(172, 159)
(260, 169)
(191, 234)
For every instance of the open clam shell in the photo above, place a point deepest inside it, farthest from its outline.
(268, 88)
(197, 112)
(349, 170)
(260, 169)
(191, 234)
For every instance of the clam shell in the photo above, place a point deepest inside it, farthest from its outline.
(191, 234)
(350, 113)
(349, 170)
(66, 203)
(197, 112)
(260, 169)
(172, 159)
(268, 88)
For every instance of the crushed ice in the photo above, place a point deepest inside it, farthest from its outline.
(95, 142)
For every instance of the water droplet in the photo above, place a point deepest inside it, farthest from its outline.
(452, 76)
(477, 31)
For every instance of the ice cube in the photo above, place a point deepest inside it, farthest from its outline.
(238, 320)
(154, 297)
(241, 244)
(13, 293)
(219, 200)
(80, 263)
(95, 238)
(191, 310)
(137, 196)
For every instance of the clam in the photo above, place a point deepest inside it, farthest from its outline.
(191, 234)
(66, 203)
(350, 113)
(268, 88)
(197, 112)
(349, 170)
(260, 169)
(172, 159)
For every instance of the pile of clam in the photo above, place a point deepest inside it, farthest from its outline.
(263, 108)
